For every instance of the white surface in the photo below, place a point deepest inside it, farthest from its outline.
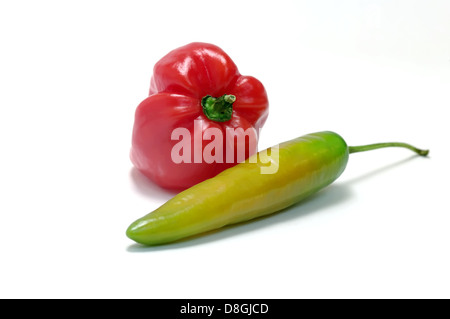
(72, 74)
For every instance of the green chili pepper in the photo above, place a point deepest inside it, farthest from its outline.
(303, 166)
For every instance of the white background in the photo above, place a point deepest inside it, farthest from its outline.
(73, 72)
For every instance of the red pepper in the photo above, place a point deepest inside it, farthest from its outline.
(196, 87)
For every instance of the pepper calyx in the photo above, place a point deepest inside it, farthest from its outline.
(218, 109)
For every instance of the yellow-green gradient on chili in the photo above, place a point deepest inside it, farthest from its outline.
(305, 165)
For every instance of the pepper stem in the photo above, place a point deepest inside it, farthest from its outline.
(218, 109)
(363, 148)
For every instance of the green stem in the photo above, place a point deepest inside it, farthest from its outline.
(218, 109)
(363, 148)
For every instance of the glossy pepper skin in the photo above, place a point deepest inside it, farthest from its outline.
(183, 83)
(305, 165)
